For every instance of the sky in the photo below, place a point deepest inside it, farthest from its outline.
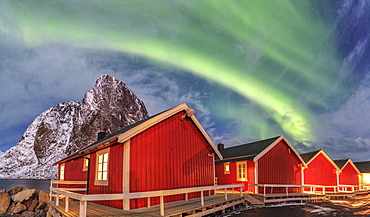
(251, 69)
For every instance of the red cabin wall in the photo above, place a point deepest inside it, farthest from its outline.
(115, 171)
(320, 172)
(348, 176)
(280, 165)
(73, 171)
(227, 179)
(171, 154)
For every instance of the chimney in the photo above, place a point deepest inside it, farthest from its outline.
(221, 146)
(101, 135)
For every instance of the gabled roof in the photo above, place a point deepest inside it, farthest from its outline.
(344, 162)
(253, 151)
(138, 127)
(363, 166)
(341, 163)
(310, 156)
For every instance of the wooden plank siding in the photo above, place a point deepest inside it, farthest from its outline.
(280, 165)
(73, 171)
(320, 172)
(115, 165)
(169, 155)
(349, 175)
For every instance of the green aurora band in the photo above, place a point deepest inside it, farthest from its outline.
(270, 53)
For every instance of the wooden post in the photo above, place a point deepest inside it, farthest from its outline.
(51, 192)
(66, 206)
(225, 194)
(126, 173)
(286, 191)
(148, 202)
(264, 190)
(201, 198)
(83, 208)
(57, 201)
(161, 205)
(241, 191)
(186, 197)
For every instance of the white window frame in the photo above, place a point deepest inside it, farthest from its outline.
(62, 170)
(102, 167)
(227, 168)
(241, 171)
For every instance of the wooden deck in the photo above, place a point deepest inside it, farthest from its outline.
(282, 198)
(191, 207)
(253, 201)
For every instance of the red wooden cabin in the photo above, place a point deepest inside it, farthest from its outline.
(320, 171)
(364, 168)
(169, 150)
(349, 175)
(271, 161)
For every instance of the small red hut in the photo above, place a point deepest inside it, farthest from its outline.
(321, 171)
(263, 163)
(170, 150)
(349, 175)
(364, 168)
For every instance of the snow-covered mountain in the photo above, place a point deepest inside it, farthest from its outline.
(66, 127)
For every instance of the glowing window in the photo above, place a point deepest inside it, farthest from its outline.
(227, 168)
(62, 169)
(86, 163)
(241, 171)
(101, 177)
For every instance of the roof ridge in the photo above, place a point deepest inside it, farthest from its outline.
(366, 161)
(311, 151)
(343, 159)
(237, 146)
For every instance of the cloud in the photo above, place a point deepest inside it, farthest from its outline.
(357, 149)
(345, 133)
(40, 78)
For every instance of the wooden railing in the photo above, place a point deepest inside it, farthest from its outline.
(272, 186)
(313, 188)
(336, 188)
(364, 187)
(84, 198)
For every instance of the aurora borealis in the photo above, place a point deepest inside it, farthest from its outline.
(251, 69)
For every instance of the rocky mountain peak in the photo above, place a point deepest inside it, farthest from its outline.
(109, 106)
(66, 127)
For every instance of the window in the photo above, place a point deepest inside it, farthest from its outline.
(227, 168)
(101, 176)
(86, 163)
(241, 172)
(62, 169)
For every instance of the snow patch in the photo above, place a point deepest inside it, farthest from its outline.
(318, 210)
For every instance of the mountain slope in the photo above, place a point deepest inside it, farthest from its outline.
(66, 127)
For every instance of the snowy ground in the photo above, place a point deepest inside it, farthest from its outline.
(356, 206)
